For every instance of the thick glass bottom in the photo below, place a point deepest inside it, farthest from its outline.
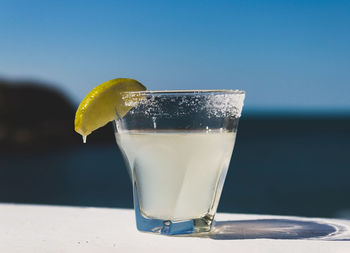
(168, 227)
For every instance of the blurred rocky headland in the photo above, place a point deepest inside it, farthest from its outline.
(38, 117)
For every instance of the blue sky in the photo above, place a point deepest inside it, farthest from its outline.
(291, 55)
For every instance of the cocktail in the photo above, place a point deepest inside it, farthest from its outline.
(177, 146)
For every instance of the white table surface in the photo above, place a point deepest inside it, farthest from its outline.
(36, 228)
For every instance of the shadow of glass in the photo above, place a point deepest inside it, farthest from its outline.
(270, 229)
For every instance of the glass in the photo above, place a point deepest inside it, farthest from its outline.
(177, 146)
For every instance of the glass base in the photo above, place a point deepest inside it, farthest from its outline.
(167, 227)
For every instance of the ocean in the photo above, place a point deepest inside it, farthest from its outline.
(288, 166)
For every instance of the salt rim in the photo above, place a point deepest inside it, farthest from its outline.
(216, 103)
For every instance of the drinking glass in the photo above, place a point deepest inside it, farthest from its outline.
(177, 146)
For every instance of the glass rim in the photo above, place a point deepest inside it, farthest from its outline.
(187, 92)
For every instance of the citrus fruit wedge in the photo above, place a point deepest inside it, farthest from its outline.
(102, 105)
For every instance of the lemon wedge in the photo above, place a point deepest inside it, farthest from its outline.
(102, 104)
